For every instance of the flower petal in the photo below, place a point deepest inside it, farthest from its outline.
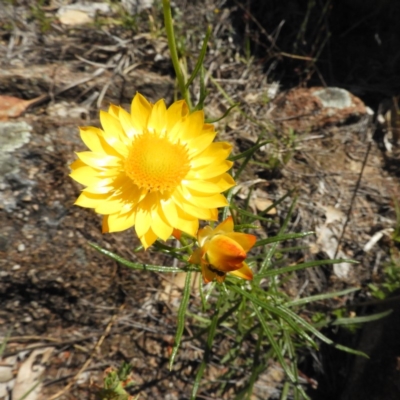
(93, 138)
(175, 113)
(97, 160)
(198, 199)
(224, 253)
(143, 214)
(140, 112)
(160, 225)
(202, 186)
(170, 211)
(113, 133)
(113, 110)
(225, 226)
(187, 223)
(199, 143)
(119, 222)
(196, 212)
(127, 124)
(214, 153)
(224, 182)
(245, 272)
(208, 275)
(192, 126)
(148, 239)
(244, 239)
(110, 206)
(158, 121)
(210, 171)
(204, 234)
(84, 175)
(196, 257)
(90, 200)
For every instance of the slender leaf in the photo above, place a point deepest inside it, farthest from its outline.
(249, 151)
(319, 297)
(362, 320)
(225, 114)
(249, 214)
(203, 91)
(210, 339)
(200, 60)
(133, 265)
(281, 238)
(225, 210)
(181, 319)
(308, 264)
(273, 343)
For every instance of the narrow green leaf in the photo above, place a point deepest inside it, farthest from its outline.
(318, 334)
(225, 210)
(3, 344)
(309, 264)
(288, 216)
(242, 227)
(143, 267)
(281, 238)
(249, 214)
(277, 202)
(274, 310)
(31, 389)
(285, 391)
(249, 151)
(204, 305)
(226, 113)
(200, 60)
(249, 155)
(351, 351)
(181, 319)
(203, 91)
(319, 297)
(207, 352)
(361, 320)
(273, 343)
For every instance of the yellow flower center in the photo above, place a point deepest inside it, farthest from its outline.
(156, 164)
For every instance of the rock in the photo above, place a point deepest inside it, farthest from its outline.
(316, 108)
(136, 6)
(13, 135)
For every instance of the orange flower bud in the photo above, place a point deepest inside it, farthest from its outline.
(221, 251)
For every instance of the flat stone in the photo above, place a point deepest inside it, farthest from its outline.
(312, 109)
(13, 135)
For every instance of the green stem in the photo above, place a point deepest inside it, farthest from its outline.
(174, 53)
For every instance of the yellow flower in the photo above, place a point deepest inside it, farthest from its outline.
(156, 169)
(221, 251)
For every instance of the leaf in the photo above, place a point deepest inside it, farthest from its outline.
(13, 107)
(181, 319)
(28, 382)
(363, 319)
(133, 265)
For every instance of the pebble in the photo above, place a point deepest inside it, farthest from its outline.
(21, 247)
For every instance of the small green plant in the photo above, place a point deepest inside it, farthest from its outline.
(115, 384)
(391, 270)
(39, 15)
(391, 279)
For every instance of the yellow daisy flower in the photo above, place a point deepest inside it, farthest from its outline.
(156, 169)
(223, 251)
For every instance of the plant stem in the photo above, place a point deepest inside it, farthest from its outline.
(174, 53)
